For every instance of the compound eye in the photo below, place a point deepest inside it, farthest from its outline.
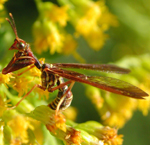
(22, 45)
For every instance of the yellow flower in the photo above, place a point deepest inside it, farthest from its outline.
(69, 44)
(94, 24)
(140, 70)
(96, 38)
(19, 125)
(35, 77)
(3, 105)
(55, 14)
(106, 19)
(69, 47)
(42, 93)
(35, 72)
(19, 129)
(2, 3)
(35, 134)
(90, 132)
(86, 23)
(114, 109)
(2, 11)
(144, 105)
(86, 17)
(72, 136)
(49, 117)
(95, 96)
(91, 20)
(101, 134)
(117, 109)
(108, 135)
(56, 124)
(21, 84)
(5, 79)
(47, 36)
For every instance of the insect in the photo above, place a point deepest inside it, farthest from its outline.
(53, 74)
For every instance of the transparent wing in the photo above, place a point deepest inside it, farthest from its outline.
(99, 67)
(106, 83)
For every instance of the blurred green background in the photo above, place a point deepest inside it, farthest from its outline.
(131, 38)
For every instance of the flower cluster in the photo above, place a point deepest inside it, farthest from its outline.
(32, 121)
(2, 4)
(72, 133)
(116, 110)
(2, 13)
(89, 19)
(48, 30)
(24, 129)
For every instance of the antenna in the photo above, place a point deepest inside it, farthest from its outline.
(12, 24)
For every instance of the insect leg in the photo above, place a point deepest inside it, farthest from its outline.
(19, 74)
(64, 97)
(26, 96)
(59, 86)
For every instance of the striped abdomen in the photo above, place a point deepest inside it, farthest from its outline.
(48, 82)
(66, 102)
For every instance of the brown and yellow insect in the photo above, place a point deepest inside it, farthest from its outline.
(53, 74)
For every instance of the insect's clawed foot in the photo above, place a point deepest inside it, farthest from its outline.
(11, 108)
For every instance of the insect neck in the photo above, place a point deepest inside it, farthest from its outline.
(36, 61)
